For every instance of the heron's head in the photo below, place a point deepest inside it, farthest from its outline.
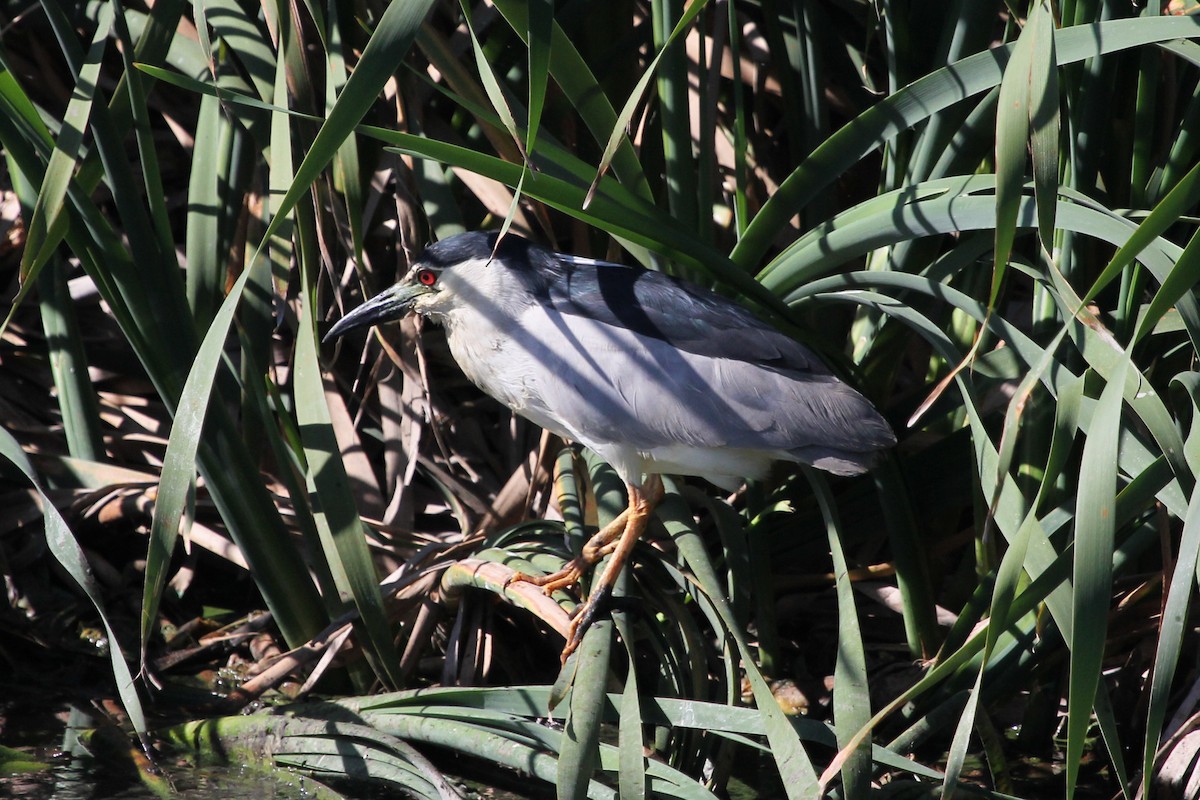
(449, 274)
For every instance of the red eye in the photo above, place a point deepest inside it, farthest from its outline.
(427, 277)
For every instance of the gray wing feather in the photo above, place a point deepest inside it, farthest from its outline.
(618, 385)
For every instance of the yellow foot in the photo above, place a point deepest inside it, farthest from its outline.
(615, 539)
(566, 577)
(601, 544)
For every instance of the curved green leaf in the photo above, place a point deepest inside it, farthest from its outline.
(924, 98)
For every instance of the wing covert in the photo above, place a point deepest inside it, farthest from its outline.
(681, 314)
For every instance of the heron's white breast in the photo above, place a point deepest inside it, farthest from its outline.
(496, 355)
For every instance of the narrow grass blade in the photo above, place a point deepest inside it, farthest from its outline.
(1181, 198)
(245, 43)
(179, 464)
(147, 150)
(1106, 720)
(925, 97)
(851, 692)
(741, 205)
(1182, 154)
(1015, 411)
(490, 83)
(1044, 119)
(1180, 281)
(218, 90)
(202, 243)
(1012, 138)
(388, 45)
(674, 110)
(67, 551)
(1092, 579)
(631, 777)
(347, 165)
(48, 221)
(69, 365)
(540, 38)
(913, 577)
(581, 735)
(956, 755)
(342, 539)
(576, 80)
(1171, 636)
(1013, 563)
(635, 97)
(795, 767)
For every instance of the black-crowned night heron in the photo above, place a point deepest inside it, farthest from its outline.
(654, 374)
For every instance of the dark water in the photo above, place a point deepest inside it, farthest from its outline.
(49, 734)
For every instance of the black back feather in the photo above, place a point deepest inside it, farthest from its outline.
(682, 314)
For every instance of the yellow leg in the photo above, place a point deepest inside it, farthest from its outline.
(617, 539)
(641, 505)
